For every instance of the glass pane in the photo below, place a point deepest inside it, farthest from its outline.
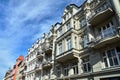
(113, 52)
(77, 69)
(119, 56)
(104, 54)
(109, 53)
(111, 62)
(108, 25)
(74, 70)
(104, 27)
(115, 61)
(89, 67)
(105, 61)
(85, 67)
(118, 49)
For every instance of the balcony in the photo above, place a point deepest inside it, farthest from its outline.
(110, 36)
(39, 55)
(47, 47)
(38, 67)
(100, 15)
(47, 64)
(67, 55)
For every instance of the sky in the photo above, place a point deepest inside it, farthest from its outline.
(22, 22)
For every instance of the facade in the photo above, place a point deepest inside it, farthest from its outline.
(13, 74)
(88, 44)
(84, 46)
(21, 71)
(8, 75)
(31, 63)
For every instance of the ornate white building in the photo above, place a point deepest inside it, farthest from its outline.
(84, 46)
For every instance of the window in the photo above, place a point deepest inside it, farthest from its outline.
(60, 48)
(69, 44)
(107, 30)
(75, 67)
(68, 26)
(74, 25)
(86, 64)
(75, 42)
(66, 69)
(60, 32)
(111, 57)
(84, 41)
(83, 22)
(58, 70)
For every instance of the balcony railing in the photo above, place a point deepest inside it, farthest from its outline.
(104, 7)
(46, 46)
(39, 55)
(47, 64)
(106, 37)
(38, 67)
(106, 33)
(100, 14)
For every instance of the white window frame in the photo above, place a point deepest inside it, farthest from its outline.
(113, 57)
(66, 70)
(76, 68)
(87, 63)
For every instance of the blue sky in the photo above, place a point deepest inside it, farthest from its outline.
(22, 22)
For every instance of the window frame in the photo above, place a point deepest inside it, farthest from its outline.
(106, 55)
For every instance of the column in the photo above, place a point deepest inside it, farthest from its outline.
(116, 6)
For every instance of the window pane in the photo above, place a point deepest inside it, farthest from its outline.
(89, 67)
(118, 49)
(104, 54)
(85, 67)
(115, 61)
(113, 52)
(105, 61)
(119, 56)
(111, 62)
(109, 53)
